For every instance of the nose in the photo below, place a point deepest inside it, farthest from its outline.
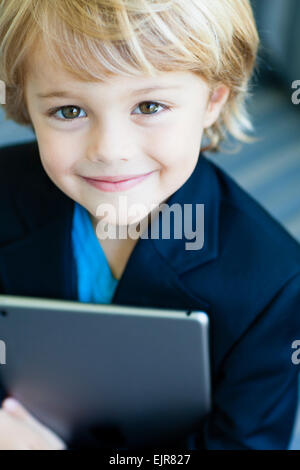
(109, 142)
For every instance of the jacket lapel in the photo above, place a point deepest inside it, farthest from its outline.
(149, 281)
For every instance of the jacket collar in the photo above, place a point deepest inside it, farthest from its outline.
(153, 269)
(200, 188)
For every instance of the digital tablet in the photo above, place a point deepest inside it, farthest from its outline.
(134, 377)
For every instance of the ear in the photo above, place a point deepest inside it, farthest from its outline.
(215, 104)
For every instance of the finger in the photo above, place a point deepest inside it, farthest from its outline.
(16, 409)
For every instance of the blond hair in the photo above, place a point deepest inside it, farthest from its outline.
(94, 39)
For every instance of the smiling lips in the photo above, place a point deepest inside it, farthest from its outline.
(117, 183)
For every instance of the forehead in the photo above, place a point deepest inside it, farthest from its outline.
(43, 74)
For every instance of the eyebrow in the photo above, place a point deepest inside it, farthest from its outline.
(67, 94)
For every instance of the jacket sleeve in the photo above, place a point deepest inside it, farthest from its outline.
(255, 398)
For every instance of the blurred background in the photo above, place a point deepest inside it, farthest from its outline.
(268, 169)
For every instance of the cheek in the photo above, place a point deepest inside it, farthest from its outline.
(177, 146)
(58, 154)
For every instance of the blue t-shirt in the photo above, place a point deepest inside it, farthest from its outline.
(96, 283)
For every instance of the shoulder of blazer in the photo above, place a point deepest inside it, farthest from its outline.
(254, 235)
(257, 258)
(28, 197)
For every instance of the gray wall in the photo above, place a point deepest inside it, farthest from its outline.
(11, 132)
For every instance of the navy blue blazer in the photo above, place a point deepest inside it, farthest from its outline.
(246, 277)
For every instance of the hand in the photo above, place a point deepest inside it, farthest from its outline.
(19, 430)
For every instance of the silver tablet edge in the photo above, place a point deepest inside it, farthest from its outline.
(203, 319)
(76, 306)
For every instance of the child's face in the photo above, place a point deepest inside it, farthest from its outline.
(113, 132)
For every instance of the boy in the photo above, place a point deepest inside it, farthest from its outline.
(85, 76)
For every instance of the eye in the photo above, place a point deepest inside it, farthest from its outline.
(150, 107)
(67, 113)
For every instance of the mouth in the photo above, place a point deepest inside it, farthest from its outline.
(117, 183)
